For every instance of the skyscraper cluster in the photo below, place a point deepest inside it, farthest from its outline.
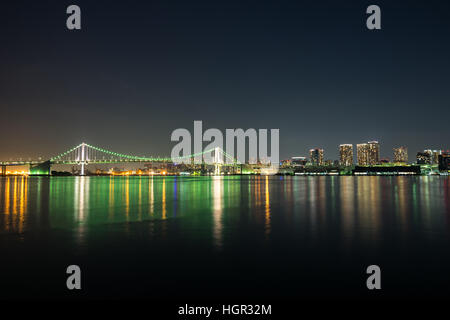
(368, 154)
(428, 156)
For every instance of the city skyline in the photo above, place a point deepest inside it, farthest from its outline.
(211, 159)
(366, 154)
(309, 69)
(370, 154)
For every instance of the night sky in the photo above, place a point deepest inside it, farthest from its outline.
(140, 69)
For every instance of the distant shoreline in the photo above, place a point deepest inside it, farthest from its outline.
(232, 175)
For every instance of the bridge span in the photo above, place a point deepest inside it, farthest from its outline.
(85, 154)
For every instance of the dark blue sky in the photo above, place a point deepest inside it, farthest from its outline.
(140, 69)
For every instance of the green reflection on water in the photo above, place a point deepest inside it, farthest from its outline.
(360, 208)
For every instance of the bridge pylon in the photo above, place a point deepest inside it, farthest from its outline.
(218, 161)
(83, 159)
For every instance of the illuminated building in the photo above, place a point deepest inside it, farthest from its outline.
(298, 161)
(285, 163)
(346, 155)
(429, 156)
(374, 152)
(423, 158)
(368, 153)
(362, 154)
(444, 161)
(401, 155)
(434, 155)
(316, 156)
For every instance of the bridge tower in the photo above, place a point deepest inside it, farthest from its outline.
(83, 159)
(3, 170)
(218, 161)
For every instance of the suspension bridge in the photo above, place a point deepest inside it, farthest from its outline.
(85, 154)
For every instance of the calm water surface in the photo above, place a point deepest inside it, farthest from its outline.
(213, 237)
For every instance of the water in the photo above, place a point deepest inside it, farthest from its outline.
(221, 237)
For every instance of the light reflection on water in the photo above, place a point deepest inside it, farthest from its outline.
(215, 208)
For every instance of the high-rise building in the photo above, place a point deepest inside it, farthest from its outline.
(444, 161)
(401, 155)
(434, 155)
(423, 158)
(362, 154)
(316, 156)
(374, 152)
(368, 153)
(430, 153)
(346, 155)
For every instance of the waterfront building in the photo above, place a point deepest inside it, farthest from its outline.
(285, 163)
(401, 155)
(374, 152)
(346, 155)
(423, 158)
(368, 154)
(298, 161)
(434, 155)
(444, 161)
(387, 170)
(362, 154)
(316, 156)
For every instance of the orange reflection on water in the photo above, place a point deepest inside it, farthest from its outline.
(15, 208)
(347, 191)
(313, 199)
(369, 206)
(267, 211)
(22, 202)
(425, 201)
(361, 213)
(14, 204)
(402, 203)
(7, 204)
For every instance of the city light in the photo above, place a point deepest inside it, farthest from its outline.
(434, 162)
